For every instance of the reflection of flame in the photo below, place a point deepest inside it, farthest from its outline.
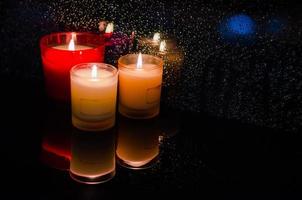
(71, 45)
(109, 28)
(139, 64)
(94, 71)
(162, 46)
(156, 37)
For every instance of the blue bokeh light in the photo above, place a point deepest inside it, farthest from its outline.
(239, 29)
(276, 25)
(241, 24)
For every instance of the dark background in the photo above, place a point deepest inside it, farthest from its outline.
(240, 99)
(253, 77)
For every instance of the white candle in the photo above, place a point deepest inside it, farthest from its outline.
(93, 96)
(140, 85)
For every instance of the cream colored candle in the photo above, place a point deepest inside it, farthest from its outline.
(92, 156)
(93, 96)
(140, 79)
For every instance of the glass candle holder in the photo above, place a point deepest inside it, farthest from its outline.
(93, 96)
(60, 52)
(140, 86)
(148, 45)
(173, 58)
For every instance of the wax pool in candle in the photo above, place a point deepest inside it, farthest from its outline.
(93, 96)
(140, 88)
(76, 47)
(58, 56)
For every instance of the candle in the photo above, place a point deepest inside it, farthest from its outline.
(61, 51)
(92, 156)
(117, 46)
(171, 54)
(149, 45)
(117, 43)
(173, 61)
(93, 96)
(173, 58)
(168, 50)
(137, 143)
(140, 79)
(109, 30)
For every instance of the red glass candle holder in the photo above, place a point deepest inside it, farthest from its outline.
(58, 59)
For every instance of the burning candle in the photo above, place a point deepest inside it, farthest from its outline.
(61, 51)
(93, 96)
(117, 42)
(137, 143)
(173, 61)
(173, 58)
(140, 79)
(92, 156)
(149, 45)
(109, 30)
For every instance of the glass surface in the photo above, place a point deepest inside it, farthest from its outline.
(93, 96)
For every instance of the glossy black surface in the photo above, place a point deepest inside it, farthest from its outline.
(207, 157)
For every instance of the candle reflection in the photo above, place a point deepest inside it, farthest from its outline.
(137, 143)
(92, 156)
(55, 148)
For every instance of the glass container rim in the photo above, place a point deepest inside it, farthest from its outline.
(44, 39)
(158, 65)
(90, 64)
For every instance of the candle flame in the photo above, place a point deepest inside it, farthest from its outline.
(139, 64)
(109, 28)
(156, 37)
(163, 46)
(94, 71)
(132, 35)
(71, 45)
